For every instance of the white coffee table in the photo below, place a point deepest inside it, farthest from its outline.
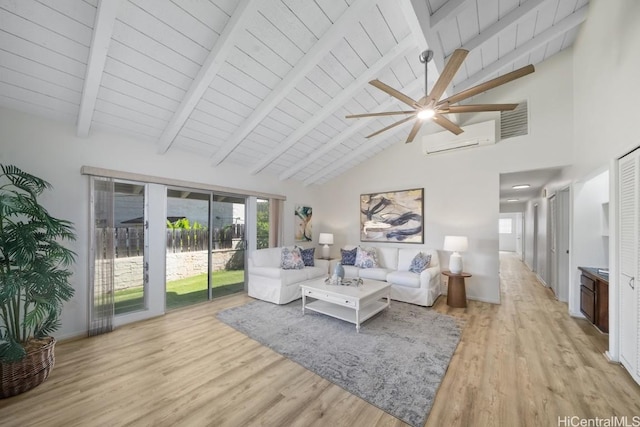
(349, 303)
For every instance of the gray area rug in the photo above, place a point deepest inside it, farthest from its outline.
(396, 362)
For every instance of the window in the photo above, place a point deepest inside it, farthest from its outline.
(505, 226)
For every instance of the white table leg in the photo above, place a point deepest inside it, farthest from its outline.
(304, 300)
(357, 320)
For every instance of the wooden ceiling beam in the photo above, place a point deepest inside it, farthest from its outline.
(337, 102)
(357, 153)
(102, 31)
(502, 24)
(349, 132)
(447, 11)
(567, 24)
(319, 50)
(212, 64)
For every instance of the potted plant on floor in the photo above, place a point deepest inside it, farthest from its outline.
(34, 280)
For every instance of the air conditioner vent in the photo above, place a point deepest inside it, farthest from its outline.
(474, 135)
(515, 122)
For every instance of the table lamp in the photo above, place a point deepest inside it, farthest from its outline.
(325, 239)
(455, 244)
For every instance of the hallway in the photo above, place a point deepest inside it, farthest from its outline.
(527, 362)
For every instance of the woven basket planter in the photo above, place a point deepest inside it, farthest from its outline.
(32, 370)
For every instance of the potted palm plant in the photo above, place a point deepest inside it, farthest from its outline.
(34, 280)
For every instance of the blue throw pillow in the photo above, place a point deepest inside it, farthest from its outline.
(348, 256)
(291, 259)
(420, 262)
(307, 256)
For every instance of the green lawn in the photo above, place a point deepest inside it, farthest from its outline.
(184, 291)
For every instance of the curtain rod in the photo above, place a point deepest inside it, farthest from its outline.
(109, 173)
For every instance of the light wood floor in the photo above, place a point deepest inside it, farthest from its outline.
(524, 362)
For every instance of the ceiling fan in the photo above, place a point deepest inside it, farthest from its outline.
(431, 107)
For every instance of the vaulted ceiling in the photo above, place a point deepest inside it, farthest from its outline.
(264, 84)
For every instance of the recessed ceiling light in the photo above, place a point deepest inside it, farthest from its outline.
(512, 200)
(520, 186)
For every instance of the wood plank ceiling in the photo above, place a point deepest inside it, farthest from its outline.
(264, 84)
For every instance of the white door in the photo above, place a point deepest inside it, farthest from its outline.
(562, 245)
(553, 239)
(628, 269)
(518, 229)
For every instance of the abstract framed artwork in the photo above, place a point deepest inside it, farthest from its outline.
(392, 216)
(303, 228)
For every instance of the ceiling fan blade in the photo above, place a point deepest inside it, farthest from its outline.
(393, 92)
(447, 124)
(386, 113)
(447, 75)
(476, 108)
(414, 131)
(483, 87)
(391, 126)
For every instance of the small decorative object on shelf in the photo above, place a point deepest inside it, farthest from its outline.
(339, 270)
(335, 280)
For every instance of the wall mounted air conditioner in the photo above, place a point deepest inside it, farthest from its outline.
(473, 136)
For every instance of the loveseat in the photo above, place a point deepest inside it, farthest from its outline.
(269, 282)
(393, 267)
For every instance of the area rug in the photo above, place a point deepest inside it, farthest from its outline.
(396, 362)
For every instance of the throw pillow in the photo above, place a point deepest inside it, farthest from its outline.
(420, 262)
(348, 256)
(291, 259)
(366, 258)
(307, 256)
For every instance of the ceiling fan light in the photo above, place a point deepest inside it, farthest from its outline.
(426, 113)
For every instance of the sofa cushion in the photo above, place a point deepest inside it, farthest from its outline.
(420, 262)
(404, 278)
(269, 257)
(289, 277)
(315, 272)
(348, 256)
(388, 257)
(307, 256)
(374, 273)
(366, 258)
(291, 259)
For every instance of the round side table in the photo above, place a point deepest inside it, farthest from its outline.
(456, 293)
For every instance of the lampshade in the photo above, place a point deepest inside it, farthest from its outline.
(455, 243)
(325, 239)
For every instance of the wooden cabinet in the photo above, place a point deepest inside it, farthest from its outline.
(594, 297)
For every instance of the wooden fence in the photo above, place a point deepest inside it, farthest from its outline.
(129, 241)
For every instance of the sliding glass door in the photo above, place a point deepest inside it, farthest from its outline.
(228, 255)
(205, 246)
(188, 248)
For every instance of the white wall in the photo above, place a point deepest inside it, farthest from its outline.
(462, 187)
(606, 89)
(52, 151)
(507, 242)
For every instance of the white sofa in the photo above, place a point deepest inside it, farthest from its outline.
(421, 289)
(269, 282)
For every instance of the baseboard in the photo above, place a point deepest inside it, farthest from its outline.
(607, 356)
(541, 280)
(577, 315)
